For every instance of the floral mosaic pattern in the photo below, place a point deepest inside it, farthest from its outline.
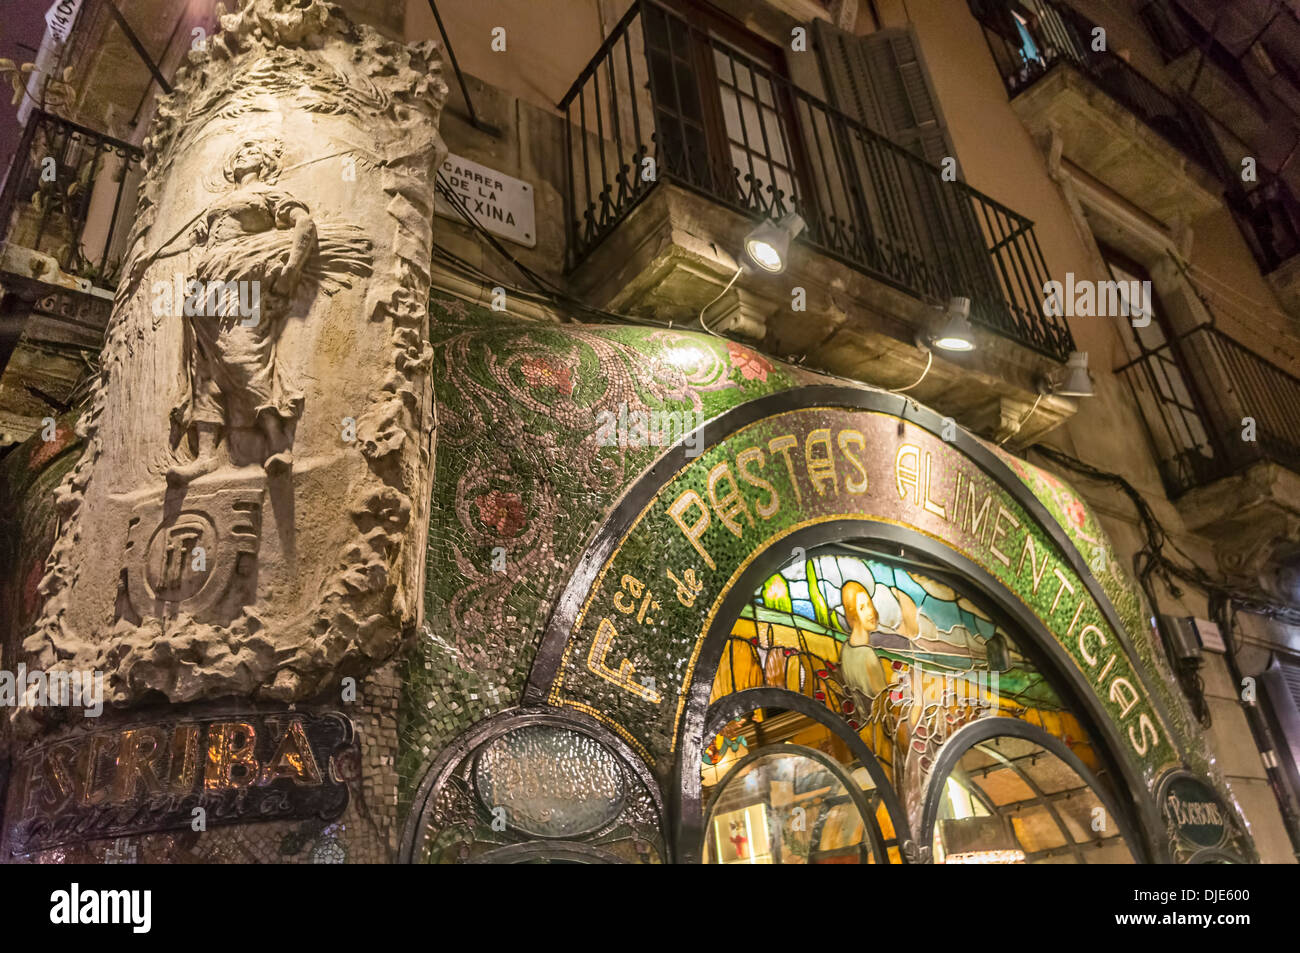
(522, 483)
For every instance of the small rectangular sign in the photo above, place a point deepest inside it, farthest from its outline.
(501, 204)
(60, 17)
(1210, 636)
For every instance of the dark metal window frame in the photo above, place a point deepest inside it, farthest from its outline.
(436, 772)
(1225, 381)
(876, 843)
(1166, 354)
(987, 729)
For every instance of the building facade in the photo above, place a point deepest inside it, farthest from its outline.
(748, 431)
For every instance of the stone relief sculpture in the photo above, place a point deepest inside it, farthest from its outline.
(218, 536)
(259, 240)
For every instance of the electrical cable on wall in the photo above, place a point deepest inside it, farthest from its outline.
(555, 294)
(704, 324)
(929, 361)
(1023, 420)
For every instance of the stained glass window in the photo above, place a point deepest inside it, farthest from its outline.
(903, 657)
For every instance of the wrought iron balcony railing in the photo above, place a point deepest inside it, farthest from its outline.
(1177, 32)
(665, 101)
(70, 194)
(1269, 217)
(1196, 393)
(1030, 37)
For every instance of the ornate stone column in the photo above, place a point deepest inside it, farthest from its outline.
(246, 525)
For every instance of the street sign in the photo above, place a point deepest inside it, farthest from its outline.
(502, 204)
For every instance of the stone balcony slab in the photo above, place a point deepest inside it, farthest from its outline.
(1065, 110)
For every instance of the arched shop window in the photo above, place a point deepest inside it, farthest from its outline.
(806, 794)
(1020, 798)
(898, 658)
(536, 788)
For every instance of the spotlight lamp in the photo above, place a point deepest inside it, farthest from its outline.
(953, 331)
(767, 246)
(1071, 381)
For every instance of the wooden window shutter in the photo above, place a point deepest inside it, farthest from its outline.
(910, 213)
(880, 80)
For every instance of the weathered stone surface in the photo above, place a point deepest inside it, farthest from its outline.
(1100, 136)
(247, 514)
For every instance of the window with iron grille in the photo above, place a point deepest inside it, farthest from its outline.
(1168, 398)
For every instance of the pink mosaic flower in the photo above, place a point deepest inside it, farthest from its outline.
(503, 512)
(541, 373)
(752, 366)
(49, 449)
(1076, 512)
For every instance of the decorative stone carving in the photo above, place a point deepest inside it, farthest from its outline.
(248, 515)
(256, 239)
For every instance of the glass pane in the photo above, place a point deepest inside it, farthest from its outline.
(1010, 800)
(905, 659)
(552, 782)
(785, 808)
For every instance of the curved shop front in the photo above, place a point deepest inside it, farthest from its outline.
(683, 605)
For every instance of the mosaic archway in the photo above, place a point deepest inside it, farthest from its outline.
(608, 500)
(636, 639)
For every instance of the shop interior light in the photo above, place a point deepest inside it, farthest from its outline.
(767, 245)
(954, 332)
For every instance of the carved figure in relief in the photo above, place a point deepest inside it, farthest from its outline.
(257, 243)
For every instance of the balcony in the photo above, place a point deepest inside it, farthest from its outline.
(68, 203)
(1209, 71)
(1105, 117)
(66, 209)
(678, 143)
(1269, 216)
(1269, 219)
(1235, 484)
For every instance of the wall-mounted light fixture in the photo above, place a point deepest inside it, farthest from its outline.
(1069, 381)
(768, 245)
(953, 331)
(1072, 381)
